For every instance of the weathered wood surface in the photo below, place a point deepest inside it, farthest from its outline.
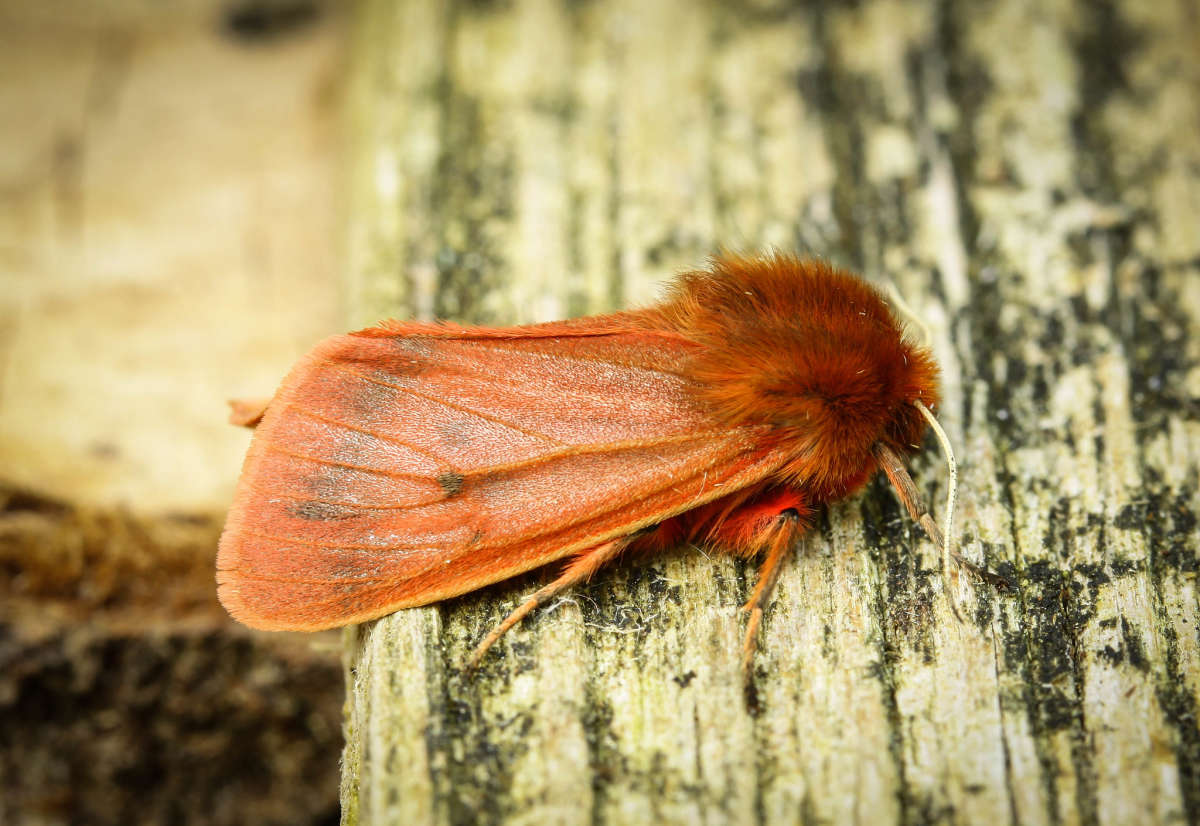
(1028, 173)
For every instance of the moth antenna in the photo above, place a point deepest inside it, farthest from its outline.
(893, 467)
(910, 315)
(952, 492)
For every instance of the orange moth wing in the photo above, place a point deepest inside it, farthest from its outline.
(409, 463)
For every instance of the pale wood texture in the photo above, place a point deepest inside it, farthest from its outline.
(1028, 174)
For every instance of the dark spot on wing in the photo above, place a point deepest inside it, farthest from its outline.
(450, 481)
(368, 394)
(324, 484)
(412, 357)
(317, 511)
(455, 432)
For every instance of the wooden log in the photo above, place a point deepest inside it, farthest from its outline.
(1028, 175)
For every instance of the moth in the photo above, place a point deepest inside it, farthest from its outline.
(412, 462)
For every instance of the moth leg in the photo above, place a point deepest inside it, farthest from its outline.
(780, 542)
(771, 526)
(579, 570)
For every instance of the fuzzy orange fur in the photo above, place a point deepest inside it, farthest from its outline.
(809, 351)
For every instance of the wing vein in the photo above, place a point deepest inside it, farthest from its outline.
(366, 432)
(343, 546)
(269, 493)
(574, 391)
(294, 581)
(491, 344)
(395, 474)
(461, 408)
(597, 449)
(544, 530)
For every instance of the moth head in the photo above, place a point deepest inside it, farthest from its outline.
(810, 352)
(841, 400)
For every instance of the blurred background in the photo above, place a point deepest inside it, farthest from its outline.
(168, 240)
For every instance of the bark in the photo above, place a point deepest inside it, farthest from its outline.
(1027, 174)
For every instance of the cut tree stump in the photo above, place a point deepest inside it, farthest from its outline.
(1029, 177)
